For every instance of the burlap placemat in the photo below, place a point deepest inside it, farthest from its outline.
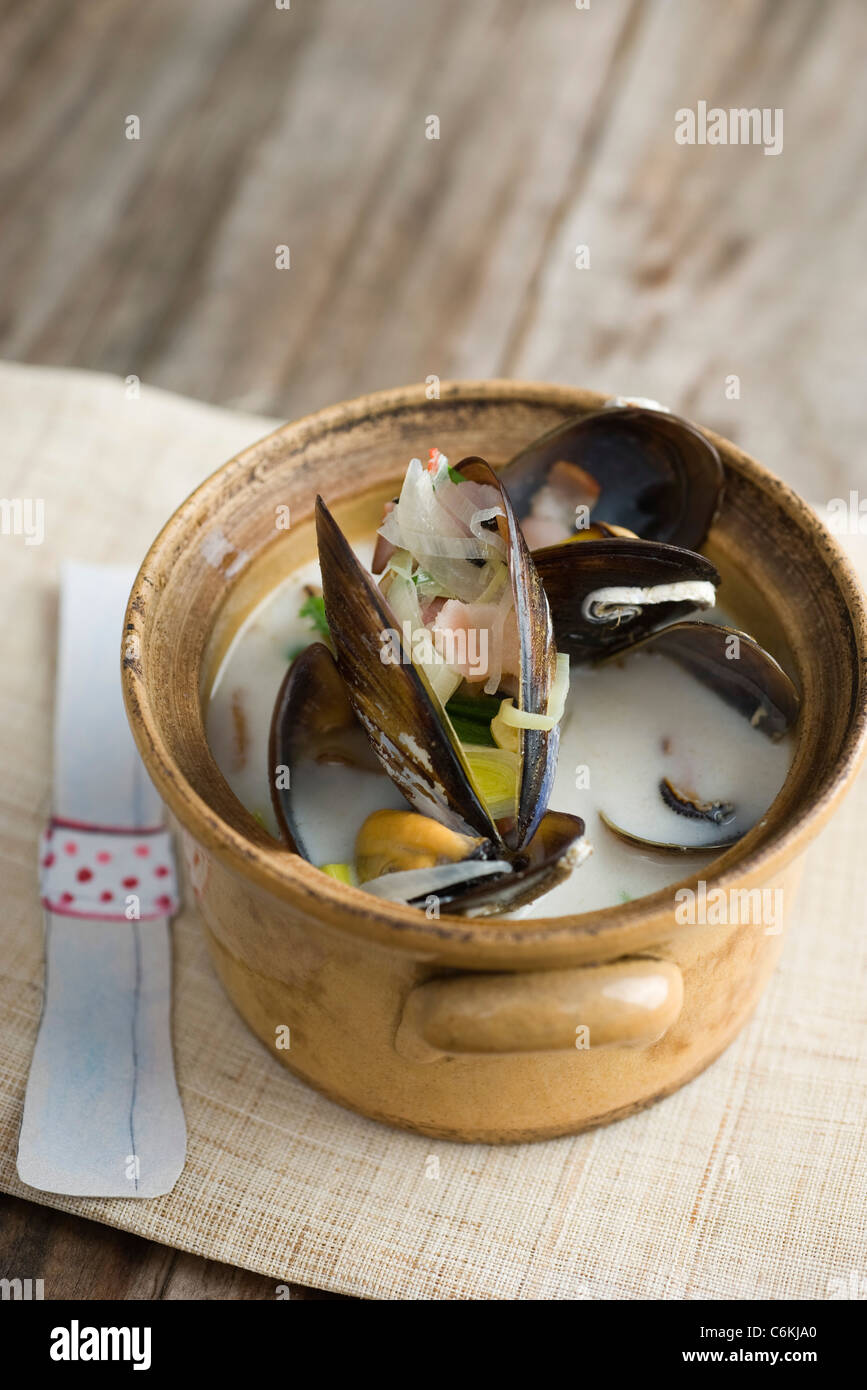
(748, 1182)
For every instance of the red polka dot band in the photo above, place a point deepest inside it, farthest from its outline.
(112, 875)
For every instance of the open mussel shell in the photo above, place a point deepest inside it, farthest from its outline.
(538, 659)
(554, 850)
(664, 847)
(392, 700)
(732, 664)
(548, 858)
(654, 474)
(605, 594)
(739, 671)
(313, 724)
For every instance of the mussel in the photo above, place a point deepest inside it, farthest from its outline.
(604, 594)
(631, 837)
(733, 665)
(424, 860)
(479, 835)
(643, 469)
(313, 727)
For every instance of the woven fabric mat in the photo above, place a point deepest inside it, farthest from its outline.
(748, 1182)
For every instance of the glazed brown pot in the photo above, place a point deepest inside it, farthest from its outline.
(474, 1029)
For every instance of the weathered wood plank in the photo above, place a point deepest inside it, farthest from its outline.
(711, 261)
(381, 216)
(77, 1259)
(413, 256)
(312, 139)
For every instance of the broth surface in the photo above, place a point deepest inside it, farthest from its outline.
(627, 725)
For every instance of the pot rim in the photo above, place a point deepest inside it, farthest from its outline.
(493, 941)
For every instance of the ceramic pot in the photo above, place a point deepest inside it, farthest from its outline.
(474, 1029)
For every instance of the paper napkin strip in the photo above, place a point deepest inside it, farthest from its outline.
(102, 1114)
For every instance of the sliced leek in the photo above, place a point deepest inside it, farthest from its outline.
(495, 773)
(344, 873)
(511, 718)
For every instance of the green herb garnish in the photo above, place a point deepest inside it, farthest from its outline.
(455, 476)
(313, 609)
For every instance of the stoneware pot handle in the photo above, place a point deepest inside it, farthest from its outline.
(629, 1003)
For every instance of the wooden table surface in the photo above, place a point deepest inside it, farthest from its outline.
(722, 280)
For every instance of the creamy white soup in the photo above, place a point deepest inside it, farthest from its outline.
(628, 725)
